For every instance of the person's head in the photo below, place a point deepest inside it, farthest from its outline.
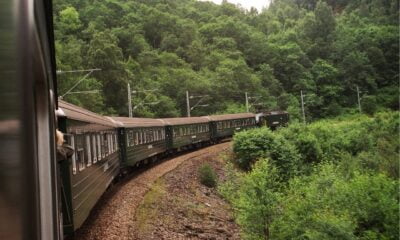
(59, 138)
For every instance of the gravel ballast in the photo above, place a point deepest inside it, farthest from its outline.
(113, 217)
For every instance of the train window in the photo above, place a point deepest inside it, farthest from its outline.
(162, 134)
(98, 147)
(104, 150)
(116, 141)
(156, 135)
(80, 151)
(111, 142)
(71, 141)
(136, 142)
(94, 153)
(88, 151)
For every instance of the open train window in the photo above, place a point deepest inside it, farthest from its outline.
(88, 151)
(116, 141)
(98, 147)
(104, 146)
(80, 151)
(110, 143)
(150, 135)
(71, 141)
(94, 152)
(136, 142)
(140, 137)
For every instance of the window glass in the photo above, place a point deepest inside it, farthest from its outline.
(136, 138)
(94, 152)
(80, 151)
(98, 147)
(104, 146)
(115, 142)
(88, 151)
(131, 138)
(111, 140)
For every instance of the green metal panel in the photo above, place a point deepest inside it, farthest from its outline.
(137, 153)
(89, 184)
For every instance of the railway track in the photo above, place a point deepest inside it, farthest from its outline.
(113, 216)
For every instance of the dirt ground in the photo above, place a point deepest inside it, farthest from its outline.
(164, 202)
(179, 207)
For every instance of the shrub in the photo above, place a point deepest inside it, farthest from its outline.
(254, 144)
(328, 205)
(257, 202)
(207, 175)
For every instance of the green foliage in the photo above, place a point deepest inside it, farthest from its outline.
(345, 185)
(207, 175)
(257, 202)
(324, 48)
(325, 205)
(251, 145)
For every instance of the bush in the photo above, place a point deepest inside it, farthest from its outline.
(327, 205)
(207, 175)
(256, 202)
(254, 144)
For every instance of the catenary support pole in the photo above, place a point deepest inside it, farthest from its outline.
(187, 103)
(129, 100)
(358, 99)
(302, 106)
(247, 102)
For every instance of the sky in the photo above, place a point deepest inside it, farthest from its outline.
(259, 4)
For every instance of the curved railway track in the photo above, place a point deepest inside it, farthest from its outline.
(112, 218)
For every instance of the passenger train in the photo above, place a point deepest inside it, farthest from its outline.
(42, 197)
(107, 147)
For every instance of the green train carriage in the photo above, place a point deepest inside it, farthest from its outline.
(224, 126)
(92, 167)
(140, 139)
(184, 133)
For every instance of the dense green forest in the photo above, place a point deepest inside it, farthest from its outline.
(324, 48)
(331, 179)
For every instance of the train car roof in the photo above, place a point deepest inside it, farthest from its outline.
(231, 116)
(74, 112)
(139, 122)
(185, 120)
